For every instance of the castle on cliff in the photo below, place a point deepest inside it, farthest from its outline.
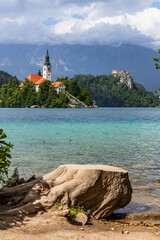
(125, 77)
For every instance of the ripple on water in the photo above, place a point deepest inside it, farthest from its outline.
(123, 137)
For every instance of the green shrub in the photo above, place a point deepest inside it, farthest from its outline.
(74, 210)
(4, 156)
(15, 174)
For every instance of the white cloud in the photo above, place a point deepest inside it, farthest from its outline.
(147, 22)
(80, 21)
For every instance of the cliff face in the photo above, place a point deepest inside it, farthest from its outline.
(125, 78)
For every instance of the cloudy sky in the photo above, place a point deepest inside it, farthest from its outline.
(108, 22)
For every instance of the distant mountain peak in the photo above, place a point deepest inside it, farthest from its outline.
(23, 59)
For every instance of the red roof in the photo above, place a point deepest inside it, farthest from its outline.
(114, 71)
(56, 84)
(40, 81)
(21, 85)
(34, 77)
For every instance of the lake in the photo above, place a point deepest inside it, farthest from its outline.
(124, 137)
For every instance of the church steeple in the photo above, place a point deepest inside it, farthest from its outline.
(47, 62)
(47, 68)
(39, 73)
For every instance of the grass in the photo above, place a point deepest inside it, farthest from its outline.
(74, 210)
(56, 205)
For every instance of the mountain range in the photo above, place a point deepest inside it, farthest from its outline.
(21, 60)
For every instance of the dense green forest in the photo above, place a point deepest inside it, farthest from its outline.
(11, 95)
(108, 92)
(4, 78)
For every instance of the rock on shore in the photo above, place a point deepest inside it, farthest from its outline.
(99, 188)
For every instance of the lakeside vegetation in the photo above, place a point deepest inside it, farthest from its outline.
(107, 91)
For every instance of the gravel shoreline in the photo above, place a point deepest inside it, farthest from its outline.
(49, 225)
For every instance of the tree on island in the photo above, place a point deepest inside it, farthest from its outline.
(107, 91)
(13, 97)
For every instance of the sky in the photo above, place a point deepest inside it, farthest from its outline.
(104, 22)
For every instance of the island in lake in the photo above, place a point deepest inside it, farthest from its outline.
(82, 91)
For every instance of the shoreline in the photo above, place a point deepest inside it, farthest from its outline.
(49, 225)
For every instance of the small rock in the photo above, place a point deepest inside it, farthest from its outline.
(46, 221)
(21, 180)
(81, 218)
(126, 232)
(65, 207)
(63, 213)
(82, 229)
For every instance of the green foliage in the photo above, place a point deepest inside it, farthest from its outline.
(13, 97)
(56, 205)
(4, 78)
(15, 174)
(157, 91)
(43, 92)
(157, 66)
(107, 91)
(74, 210)
(81, 93)
(9, 92)
(157, 60)
(74, 89)
(4, 156)
(27, 96)
(60, 102)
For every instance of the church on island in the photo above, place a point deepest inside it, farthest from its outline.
(37, 79)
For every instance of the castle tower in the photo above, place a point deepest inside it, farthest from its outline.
(47, 68)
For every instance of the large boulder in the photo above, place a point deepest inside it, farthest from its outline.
(99, 188)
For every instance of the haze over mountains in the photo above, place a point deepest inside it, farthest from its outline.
(67, 60)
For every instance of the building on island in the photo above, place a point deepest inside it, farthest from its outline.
(47, 68)
(59, 86)
(119, 73)
(37, 79)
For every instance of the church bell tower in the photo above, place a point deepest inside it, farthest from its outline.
(47, 68)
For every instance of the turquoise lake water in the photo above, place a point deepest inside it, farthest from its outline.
(124, 137)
